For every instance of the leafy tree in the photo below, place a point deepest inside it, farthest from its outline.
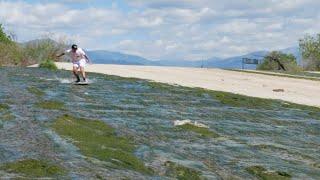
(10, 52)
(42, 49)
(310, 49)
(277, 60)
(4, 38)
(38, 51)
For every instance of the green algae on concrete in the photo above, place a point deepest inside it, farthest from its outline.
(33, 168)
(235, 100)
(159, 86)
(204, 132)
(264, 174)
(180, 172)
(35, 91)
(4, 107)
(7, 116)
(225, 98)
(268, 146)
(50, 105)
(98, 140)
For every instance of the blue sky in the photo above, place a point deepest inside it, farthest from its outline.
(165, 29)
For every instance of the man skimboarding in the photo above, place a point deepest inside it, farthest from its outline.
(79, 60)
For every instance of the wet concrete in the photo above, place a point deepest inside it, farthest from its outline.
(282, 139)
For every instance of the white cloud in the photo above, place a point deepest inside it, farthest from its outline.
(169, 29)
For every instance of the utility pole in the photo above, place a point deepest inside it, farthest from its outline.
(202, 63)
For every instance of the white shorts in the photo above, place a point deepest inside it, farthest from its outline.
(80, 63)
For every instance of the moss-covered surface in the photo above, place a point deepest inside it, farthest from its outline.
(234, 100)
(48, 64)
(50, 105)
(268, 146)
(33, 168)
(237, 100)
(204, 132)
(4, 107)
(98, 140)
(257, 129)
(8, 116)
(159, 86)
(316, 165)
(5, 114)
(180, 172)
(35, 91)
(264, 174)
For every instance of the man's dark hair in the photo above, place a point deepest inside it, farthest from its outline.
(74, 46)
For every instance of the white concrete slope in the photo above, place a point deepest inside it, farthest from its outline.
(299, 91)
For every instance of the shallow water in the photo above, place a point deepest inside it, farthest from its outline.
(281, 139)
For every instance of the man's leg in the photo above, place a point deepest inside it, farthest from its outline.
(83, 73)
(75, 72)
(82, 64)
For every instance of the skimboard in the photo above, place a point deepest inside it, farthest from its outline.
(81, 83)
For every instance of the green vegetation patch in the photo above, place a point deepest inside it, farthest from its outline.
(225, 98)
(4, 107)
(160, 86)
(309, 47)
(235, 100)
(228, 99)
(279, 61)
(268, 146)
(7, 116)
(98, 140)
(48, 64)
(33, 168)
(180, 172)
(301, 107)
(243, 101)
(316, 165)
(4, 38)
(264, 174)
(35, 91)
(50, 105)
(204, 132)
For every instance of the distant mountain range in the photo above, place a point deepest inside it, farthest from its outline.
(108, 57)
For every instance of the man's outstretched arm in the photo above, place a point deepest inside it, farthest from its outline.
(62, 54)
(87, 59)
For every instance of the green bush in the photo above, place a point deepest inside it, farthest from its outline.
(40, 49)
(33, 52)
(4, 38)
(48, 64)
(287, 60)
(33, 169)
(10, 52)
(310, 49)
